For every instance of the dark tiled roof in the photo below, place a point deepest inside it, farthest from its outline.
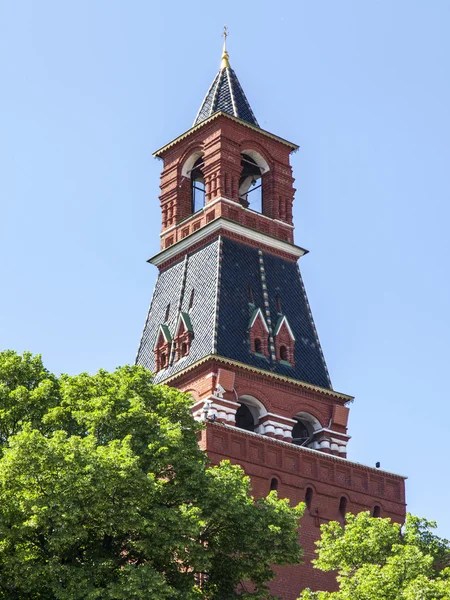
(175, 286)
(227, 95)
(240, 267)
(224, 329)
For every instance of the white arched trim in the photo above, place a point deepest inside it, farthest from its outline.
(259, 160)
(308, 419)
(256, 407)
(189, 163)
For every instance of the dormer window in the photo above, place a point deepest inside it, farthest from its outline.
(258, 333)
(198, 186)
(284, 341)
(162, 347)
(183, 336)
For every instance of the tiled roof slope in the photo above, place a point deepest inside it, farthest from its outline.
(174, 286)
(240, 267)
(227, 95)
(224, 270)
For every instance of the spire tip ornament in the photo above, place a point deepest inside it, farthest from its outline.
(224, 64)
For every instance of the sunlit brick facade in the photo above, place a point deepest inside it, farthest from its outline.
(230, 323)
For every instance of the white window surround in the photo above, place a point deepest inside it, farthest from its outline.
(256, 407)
(308, 418)
(259, 160)
(189, 163)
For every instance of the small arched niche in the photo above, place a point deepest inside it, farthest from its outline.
(284, 353)
(249, 413)
(343, 506)
(251, 188)
(304, 428)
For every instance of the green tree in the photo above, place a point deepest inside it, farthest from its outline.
(105, 494)
(376, 559)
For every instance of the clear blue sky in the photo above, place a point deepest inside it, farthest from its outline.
(91, 88)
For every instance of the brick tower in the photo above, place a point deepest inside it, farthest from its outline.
(230, 323)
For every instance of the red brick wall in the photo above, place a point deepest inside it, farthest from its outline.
(221, 141)
(297, 468)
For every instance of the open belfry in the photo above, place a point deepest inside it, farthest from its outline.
(230, 323)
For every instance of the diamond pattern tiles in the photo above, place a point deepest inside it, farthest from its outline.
(227, 95)
(174, 286)
(240, 269)
(221, 308)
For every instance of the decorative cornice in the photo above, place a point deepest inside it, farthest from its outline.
(216, 115)
(276, 376)
(223, 223)
(197, 215)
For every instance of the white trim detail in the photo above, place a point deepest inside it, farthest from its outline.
(281, 417)
(232, 404)
(230, 87)
(259, 160)
(256, 314)
(326, 430)
(222, 223)
(280, 324)
(161, 332)
(189, 164)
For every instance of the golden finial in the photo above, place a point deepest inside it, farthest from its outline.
(224, 64)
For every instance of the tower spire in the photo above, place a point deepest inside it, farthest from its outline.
(225, 64)
(226, 94)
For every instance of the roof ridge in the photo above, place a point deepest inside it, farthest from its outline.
(238, 83)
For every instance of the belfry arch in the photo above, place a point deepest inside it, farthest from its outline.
(251, 182)
(304, 428)
(249, 413)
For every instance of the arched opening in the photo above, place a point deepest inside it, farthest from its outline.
(244, 418)
(284, 354)
(304, 428)
(198, 187)
(376, 511)
(258, 346)
(250, 184)
(343, 506)
(301, 433)
(308, 497)
(273, 484)
(249, 413)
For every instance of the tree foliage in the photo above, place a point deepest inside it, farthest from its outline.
(376, 559)
(104, 493)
